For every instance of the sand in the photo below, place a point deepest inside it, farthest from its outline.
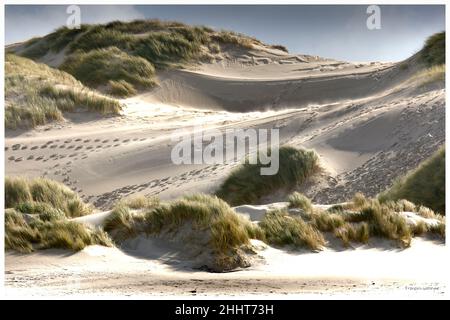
(368, 124)
(378, 270)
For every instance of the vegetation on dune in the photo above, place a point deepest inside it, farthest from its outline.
(36, 94)
(113, 68)
(205, 220)
(53, 42)
(430, 75)
(32, 233)
(119, 58)
(246, 185)
(299, 201)
(38, 210)
(424, 185)
(139, 202)
(433, 52)
(353, 222)
(39, 194)
(281, 228)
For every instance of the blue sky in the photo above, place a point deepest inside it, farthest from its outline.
(338, 32)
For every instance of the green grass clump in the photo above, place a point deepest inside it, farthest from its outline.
(121, 88)
(424, 185)
(26, 236)
(17, 191)
(327, 222)
(387, 223)
(45, 211)
(33, 193)
(229, 37)
(140, 202)
(166, 49)
(299, 201)
(97, 67)
(36, 94)
(54, 42)
(281, 229)
(205, 213)
(350, 232)
(201, 220)
(433, 53)
(121, 224)
(70, 99)
(246, 185)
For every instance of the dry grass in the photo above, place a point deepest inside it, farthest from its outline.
(282, 229)
(299, 201)
(36, 94)
(26, 236)
(202, 219)
(140, 202)
(21, 191)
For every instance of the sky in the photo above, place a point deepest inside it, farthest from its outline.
(332, 31)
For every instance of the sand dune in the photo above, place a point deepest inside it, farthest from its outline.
(366, 121)
(360, 122)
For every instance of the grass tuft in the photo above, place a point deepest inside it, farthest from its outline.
(433, 53)
(36, 94)
(246, 185)
(37, 234)
(424, 185)
(98, 67)
(299, 201)
(40, 193)
(281, 229)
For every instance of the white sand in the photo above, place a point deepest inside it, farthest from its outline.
(376, 271)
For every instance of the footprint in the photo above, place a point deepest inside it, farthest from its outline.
(34, 148)
(16, 146)
(24, 148)
(79, 139)
(96, 140)
(87, 140)
(31, 157)
(11, 158)
(79, 147)
(105, 141)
